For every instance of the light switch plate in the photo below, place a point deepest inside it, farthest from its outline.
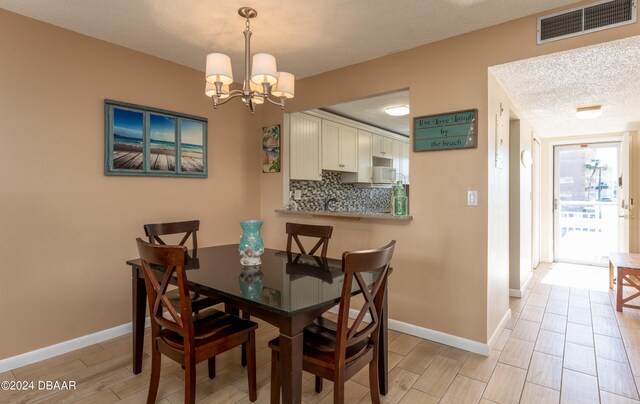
(472, 198)
(297, 194)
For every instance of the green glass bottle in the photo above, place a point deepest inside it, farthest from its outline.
(399, 200)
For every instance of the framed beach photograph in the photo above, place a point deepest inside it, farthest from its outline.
(271, 149)
(127, 140)
(192, 140)
(148, 141)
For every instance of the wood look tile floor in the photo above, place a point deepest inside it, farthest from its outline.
(564, 344)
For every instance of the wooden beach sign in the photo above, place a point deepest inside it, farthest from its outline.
(453, 130)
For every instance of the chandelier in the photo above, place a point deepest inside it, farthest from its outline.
(255, 89)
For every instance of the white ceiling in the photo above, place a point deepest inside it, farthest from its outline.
(548, 89)
(307, 37)
(371, 110)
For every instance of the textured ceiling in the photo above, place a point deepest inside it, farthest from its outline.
(371, 110)
(307, 37)
(548, 89)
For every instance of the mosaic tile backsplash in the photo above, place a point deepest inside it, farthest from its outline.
(348, 197)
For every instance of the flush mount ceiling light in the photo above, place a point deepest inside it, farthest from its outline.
(589, 112)
(397, 111)
(255, 89)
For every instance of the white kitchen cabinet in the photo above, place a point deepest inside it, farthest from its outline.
(304, 147)
(395, 154)
(382, 146)
(364, 160)
(339, 147)
(404, 161)
(400, 154)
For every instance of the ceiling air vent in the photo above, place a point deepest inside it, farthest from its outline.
(586, 19)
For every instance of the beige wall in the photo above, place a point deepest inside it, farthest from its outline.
(448, 249)
(66, 229)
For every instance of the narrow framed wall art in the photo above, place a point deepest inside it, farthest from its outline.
(271, 149)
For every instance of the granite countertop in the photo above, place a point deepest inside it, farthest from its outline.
(350, 214)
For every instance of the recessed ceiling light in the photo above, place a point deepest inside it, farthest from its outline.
(397, 111)
(589, 112)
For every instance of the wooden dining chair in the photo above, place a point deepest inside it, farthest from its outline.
(336, 352)
(189, 230)
(295, 230)
(183, 336)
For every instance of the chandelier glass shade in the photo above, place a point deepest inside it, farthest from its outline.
(262, 80)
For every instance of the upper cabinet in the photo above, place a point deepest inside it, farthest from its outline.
(322, 141)
(404, 161)
(395, 154)
(339, 147)
(382, 146)
(364, 160)
(304, 147)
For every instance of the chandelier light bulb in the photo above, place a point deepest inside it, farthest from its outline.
(285, 86)
(219, 68)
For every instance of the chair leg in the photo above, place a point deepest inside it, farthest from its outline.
(338, 389)
(251, 366)
(318, 384)
(243, 358)
(275, 378)
(155, 374)
(374, 386)
(190, 381)
(243, 355)
(212, 367)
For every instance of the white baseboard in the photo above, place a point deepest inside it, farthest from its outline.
(432, 335)
(520, 292)
(498, 331)
(515, 293)
(38, 355)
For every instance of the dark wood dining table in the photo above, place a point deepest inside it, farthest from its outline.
(286, 290)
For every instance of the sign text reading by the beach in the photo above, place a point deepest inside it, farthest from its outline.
(454, 130)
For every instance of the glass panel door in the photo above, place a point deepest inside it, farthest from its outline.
(586, 202)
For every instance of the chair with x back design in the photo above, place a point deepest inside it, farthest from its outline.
(181, 335)
(323, 233)
(336, 352)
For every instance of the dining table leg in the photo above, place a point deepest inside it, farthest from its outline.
(138, 302)
(291, 367)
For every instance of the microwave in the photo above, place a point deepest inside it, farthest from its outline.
(384, 175)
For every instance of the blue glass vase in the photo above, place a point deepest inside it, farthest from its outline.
(251, 246)
(251, 283)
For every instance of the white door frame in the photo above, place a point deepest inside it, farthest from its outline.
(548, 201)
(536, 200)
(556, 188)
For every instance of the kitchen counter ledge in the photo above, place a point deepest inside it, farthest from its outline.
(354, 215)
